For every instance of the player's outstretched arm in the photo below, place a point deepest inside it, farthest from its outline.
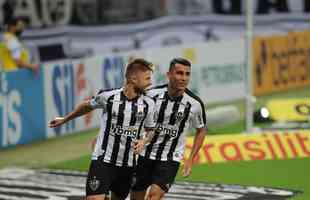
(80, 110)
(198, 141)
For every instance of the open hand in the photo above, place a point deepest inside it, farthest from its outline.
(187, 168)
(56, 122)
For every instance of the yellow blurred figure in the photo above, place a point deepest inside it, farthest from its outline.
(13, 54)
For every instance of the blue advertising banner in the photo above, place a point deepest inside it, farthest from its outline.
(22, 108)
(66, 84)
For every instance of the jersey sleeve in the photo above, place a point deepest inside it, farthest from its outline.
(100, 100)
(198, 119)
(150, 120)
(14, 46)
(153, 93)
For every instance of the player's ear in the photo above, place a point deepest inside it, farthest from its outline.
(168, 74)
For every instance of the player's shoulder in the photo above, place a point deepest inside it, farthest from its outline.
(193, 98)
(148, 99)
(9, 37)
(159, 87)
(109, 92)
(156, 90)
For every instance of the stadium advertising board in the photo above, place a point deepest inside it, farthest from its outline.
(217, 68)
(60, 86)
(22, 108)
(248, 147)
(281, 62)
(68, 83)
(289, 109)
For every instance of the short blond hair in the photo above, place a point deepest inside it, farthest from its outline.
(137, 64)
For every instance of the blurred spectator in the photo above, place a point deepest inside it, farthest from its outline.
(13, 53)
(8, 10)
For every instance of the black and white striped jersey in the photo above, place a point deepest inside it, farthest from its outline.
(174, 117)
(121, 123)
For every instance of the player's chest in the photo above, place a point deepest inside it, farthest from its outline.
(173, 111)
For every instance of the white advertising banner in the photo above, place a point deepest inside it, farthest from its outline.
(216, 76)
(217, 68)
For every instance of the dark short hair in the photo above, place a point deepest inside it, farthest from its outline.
(13, 21)
(182, 61)
(137, 64)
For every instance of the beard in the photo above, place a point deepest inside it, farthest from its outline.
(138, 90)
(18, 33)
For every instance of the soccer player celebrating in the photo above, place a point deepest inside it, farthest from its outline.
(125, 112)
(177, 108)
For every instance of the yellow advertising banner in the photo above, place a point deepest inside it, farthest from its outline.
(281, 62)
(289, 109)
(248, 147)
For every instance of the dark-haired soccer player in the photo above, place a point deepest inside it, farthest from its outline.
(177, 109)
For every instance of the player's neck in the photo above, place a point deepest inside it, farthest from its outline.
(129, 91)
(173, 93)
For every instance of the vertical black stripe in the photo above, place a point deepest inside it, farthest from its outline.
(134, 109)
(180, 131)
(172, 121)
(161, 117)
(203, 113)
(145, 111)
(129, 139)
(191, 94)
(162, 146)
(119, 123)
(108, 124)
(174, 113)
(155, 98)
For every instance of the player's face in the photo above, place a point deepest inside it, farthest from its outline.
(143, 79)
(19, 27)
(179, 76)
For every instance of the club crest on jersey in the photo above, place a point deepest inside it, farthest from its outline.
(140, 116)
(94, 184)
(179, 116)
(114, 115)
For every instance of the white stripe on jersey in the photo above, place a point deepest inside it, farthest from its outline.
(121, 124)
(174, 117)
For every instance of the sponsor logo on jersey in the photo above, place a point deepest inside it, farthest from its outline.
(171, 131)
(140, 116)
(126, 131)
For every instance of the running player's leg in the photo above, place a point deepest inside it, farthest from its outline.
(100, 176)
(164, 175)
(155, 193)
(143, 178)
(96, 197)
(121, 186)
(137, 195)
(116, 197)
